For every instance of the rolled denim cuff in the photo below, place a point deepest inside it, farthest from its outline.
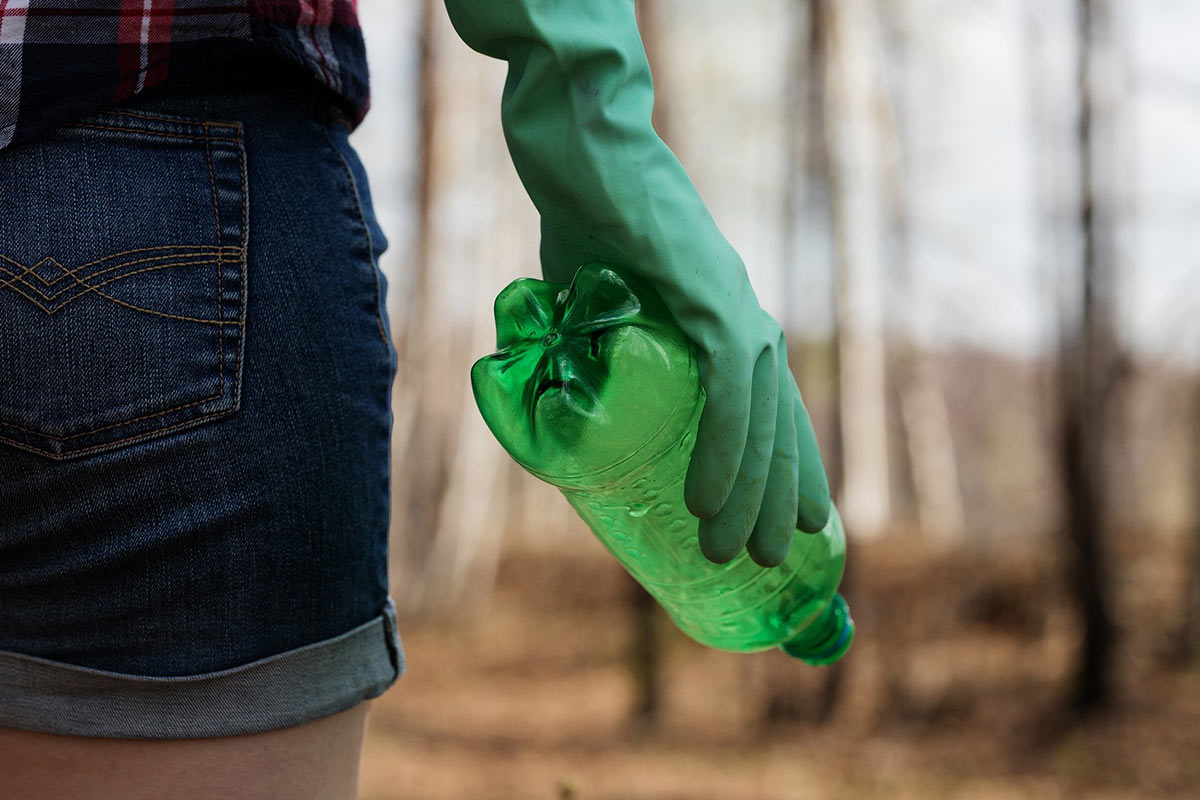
(279, 691)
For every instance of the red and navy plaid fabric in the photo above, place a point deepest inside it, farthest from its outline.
(61, 59)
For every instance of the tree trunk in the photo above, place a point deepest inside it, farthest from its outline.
(1085, 371)
(852, 76)
(931, 455)
(413, 441)
(645, 653)
(929, 441)
(453, 510)
(1187, 648)
(785, 700)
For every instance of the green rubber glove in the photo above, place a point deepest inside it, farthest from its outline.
(576, 116)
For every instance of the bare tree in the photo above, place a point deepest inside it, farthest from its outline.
(645, 653)
(1187, 648)
(1086, 372)
(852, 76)
(922, 397)
(451, 500)
(412, 441)
(809, 120)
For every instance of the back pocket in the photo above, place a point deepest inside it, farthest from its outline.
(122, 281)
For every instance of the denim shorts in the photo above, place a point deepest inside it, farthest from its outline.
(195, 381)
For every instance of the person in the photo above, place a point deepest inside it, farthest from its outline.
(196, 364)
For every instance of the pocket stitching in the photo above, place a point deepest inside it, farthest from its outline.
(112, 444)
(212, 180)
(95, 261)
(164, 134)
(119, 424)
(90, 288)
(120, 112)
(220, 322)
(362, 217)
(198, 250)
(220, 362)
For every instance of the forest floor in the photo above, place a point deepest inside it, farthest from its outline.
(955, 688)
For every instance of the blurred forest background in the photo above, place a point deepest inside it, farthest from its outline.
(977, 222)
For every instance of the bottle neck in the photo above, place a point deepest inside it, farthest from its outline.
(826, 638)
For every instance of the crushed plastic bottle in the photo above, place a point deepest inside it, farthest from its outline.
(595, 390)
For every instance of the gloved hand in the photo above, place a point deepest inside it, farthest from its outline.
(576, 116)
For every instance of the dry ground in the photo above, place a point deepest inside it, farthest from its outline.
(953, 690)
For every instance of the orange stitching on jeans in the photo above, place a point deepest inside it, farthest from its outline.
(200, 251)
(93, 126)
(212, 180)
(78, 282)
(219, 394)
(122, 276)
(27, 269)
(220, 322)
(366, 228)
(131, 305)
(73, 273)
(243, 262)
(162, 313)
(113, 425)
(173, 120)
(144, 435)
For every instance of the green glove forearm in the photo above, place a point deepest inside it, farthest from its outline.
(576, 114)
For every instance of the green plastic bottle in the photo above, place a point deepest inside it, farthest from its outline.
(595, 390)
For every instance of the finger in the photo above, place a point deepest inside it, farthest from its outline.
(720, 441)
(772, 535)
(812, 485)
(724, 535)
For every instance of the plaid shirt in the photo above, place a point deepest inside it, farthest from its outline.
(62, 59)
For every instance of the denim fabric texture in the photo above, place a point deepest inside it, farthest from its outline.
(195, 381)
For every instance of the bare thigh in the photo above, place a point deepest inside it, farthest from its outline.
(318, 760)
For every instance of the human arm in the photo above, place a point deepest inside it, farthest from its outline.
(576, 113)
